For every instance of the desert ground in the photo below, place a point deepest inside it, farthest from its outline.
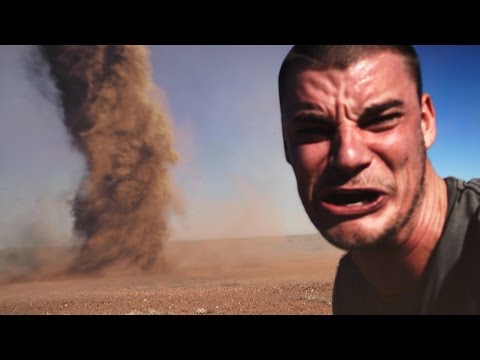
(272, 276)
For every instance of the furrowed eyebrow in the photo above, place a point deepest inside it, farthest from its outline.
(309, 113)
(309, 106)
(377, 109)
(311, 118)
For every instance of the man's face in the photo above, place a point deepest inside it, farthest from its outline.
(356, 140)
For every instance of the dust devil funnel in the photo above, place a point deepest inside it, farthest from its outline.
(121, 206)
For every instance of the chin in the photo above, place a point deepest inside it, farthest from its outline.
(364, 232)
(354, 236)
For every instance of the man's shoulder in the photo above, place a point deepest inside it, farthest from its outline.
(472, 185)
(349, 288)
(463, 194)
(345, 265)
(459, 293)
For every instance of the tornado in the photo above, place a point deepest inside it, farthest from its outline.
(115, 120)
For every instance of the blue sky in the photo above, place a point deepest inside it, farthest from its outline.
(451, 74)
(224, 109)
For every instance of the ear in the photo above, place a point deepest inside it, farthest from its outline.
(428, 122)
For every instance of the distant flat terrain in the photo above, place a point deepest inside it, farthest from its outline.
(277, 275)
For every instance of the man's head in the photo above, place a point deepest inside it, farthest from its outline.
(356, 128)
(322, 57)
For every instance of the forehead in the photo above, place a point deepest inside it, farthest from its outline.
(371, 79)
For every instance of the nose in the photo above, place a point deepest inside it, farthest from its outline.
(349, 152)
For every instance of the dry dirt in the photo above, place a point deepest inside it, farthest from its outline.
(290, 275)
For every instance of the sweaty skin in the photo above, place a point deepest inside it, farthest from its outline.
(357, 141)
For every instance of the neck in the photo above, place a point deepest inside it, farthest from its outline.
(399, 268)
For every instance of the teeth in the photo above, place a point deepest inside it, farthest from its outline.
(357, 203)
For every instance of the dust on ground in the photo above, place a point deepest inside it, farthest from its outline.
(278, 275)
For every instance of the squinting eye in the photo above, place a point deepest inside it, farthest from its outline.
(381, 122)
(312, 134)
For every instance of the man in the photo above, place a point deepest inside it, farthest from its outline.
(356, 128)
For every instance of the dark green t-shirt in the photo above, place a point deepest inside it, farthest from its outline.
(451, 283)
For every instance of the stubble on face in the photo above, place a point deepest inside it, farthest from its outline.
(390, 160)
(389, 237)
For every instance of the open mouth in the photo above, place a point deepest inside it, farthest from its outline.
(352, 198)
(353, 201)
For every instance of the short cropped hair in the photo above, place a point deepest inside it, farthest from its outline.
(323, 57)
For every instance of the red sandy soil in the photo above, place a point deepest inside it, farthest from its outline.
(291, 275)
